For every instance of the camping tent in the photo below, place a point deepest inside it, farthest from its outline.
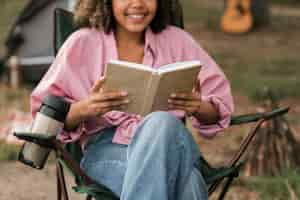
(31, 37)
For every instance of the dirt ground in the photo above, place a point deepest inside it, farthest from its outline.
(19, 182)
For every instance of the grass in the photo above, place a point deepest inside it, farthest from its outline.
(286, 2)
(8, 152)
(279, 74)
(284, 23)
(280, 187)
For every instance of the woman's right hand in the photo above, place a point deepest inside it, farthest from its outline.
(99, 101)
(96, 104)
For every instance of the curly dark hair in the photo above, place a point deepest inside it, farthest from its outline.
(98, 14)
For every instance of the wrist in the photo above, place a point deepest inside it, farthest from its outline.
(206, 113)
(78, 111)
(199, 111)
(75, 116)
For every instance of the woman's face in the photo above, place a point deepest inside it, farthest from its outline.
(134, 15)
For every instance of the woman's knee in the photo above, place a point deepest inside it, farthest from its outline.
(164, 127)
(161, 130)
(162, 119)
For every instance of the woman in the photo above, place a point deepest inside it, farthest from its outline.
(137, 158)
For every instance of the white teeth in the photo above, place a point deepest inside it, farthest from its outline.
(136, 16)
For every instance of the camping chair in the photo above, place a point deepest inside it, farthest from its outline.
(68, 156)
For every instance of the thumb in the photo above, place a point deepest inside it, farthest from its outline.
(196, 88)
(98, 85)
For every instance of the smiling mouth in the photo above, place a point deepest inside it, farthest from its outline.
(136, 16)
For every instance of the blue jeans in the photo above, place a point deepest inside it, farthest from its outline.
(158, 164)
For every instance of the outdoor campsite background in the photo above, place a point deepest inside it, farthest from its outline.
(268, 56)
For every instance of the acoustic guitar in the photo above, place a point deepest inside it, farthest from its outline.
(237, 17)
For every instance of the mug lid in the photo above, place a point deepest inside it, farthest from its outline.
(57, 103)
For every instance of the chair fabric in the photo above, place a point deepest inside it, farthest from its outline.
(63, 27)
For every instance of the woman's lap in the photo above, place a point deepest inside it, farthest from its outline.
(106, 162)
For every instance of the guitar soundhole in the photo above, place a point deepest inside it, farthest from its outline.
(241, 9)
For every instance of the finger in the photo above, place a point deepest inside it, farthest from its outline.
(175, 107)
(119, 108)
(188, 103)
(177, 102)
(108, 109)
(101, 111)
(188, 110)
(197, 88)
(111, 91)
(183, 96)
(98, 85)
(110, 104)
(101, 97)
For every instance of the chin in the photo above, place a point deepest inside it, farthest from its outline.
(136, 29)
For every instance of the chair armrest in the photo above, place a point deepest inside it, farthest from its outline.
(242, 119)
(212, 174)
(41, 139)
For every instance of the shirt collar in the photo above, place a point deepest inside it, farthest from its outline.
(150, 41)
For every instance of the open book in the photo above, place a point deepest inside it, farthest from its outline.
(148, 88)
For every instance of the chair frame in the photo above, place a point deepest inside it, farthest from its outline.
(64, 157)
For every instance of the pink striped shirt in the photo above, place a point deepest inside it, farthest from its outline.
(81, 61)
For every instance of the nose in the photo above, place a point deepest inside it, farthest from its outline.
(137, 3)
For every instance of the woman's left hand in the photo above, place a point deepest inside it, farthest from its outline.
(188, 102)
(192, 104)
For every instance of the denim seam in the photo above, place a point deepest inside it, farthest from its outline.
(110, 162)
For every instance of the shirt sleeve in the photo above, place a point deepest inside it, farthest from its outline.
(64, 79)
(215, 88)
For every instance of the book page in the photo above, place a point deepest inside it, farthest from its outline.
(133, 80)
(182, 80)
(179, 66)
(132, 65)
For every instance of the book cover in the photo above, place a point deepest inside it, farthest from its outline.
(149, 88)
